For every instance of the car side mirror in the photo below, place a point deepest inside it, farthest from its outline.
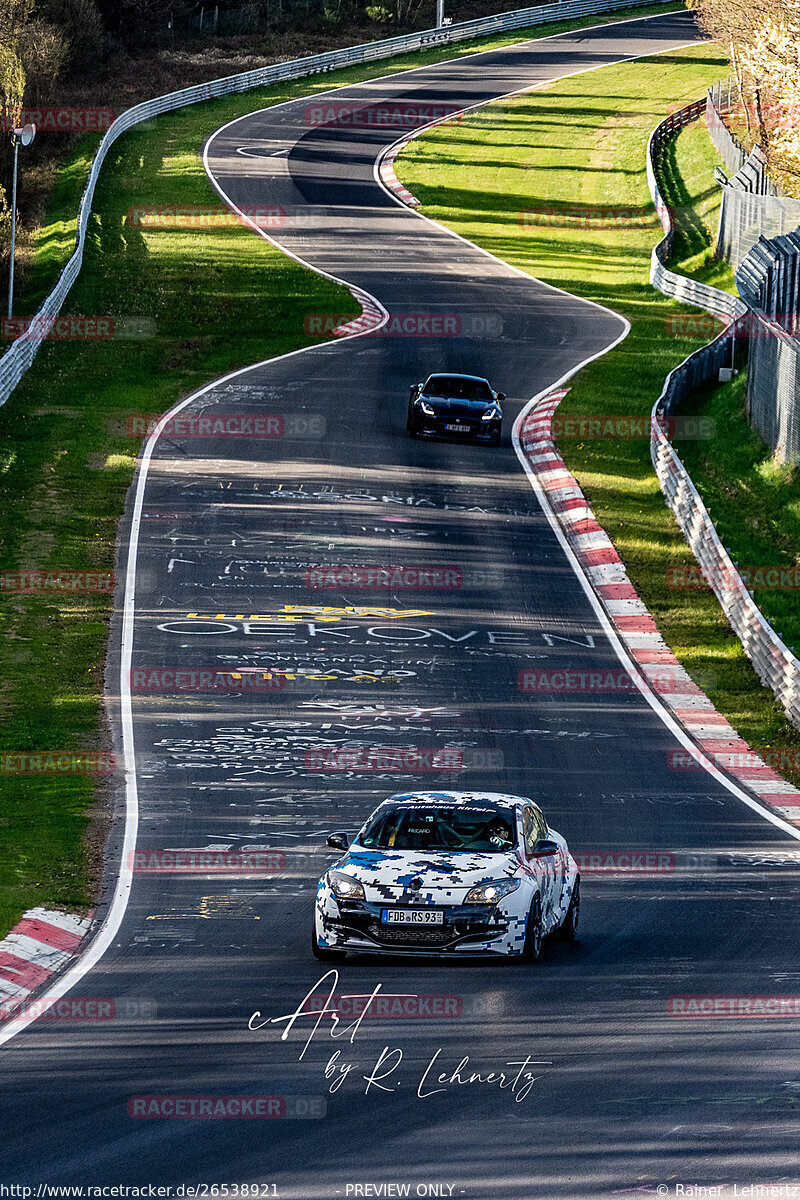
(337, 841)
(544, 848)
(415, 389)
(501, 396)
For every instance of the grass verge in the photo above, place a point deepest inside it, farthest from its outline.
(216, 299)
(219, 299)
(500, 178)
(686, 176)
(52, 242)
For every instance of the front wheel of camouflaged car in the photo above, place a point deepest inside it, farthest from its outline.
(569, 929)
(534, 936)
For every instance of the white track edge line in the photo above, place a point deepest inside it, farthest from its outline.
(102, 941)
(668, 719)
(113, 920)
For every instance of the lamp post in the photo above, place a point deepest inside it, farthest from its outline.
(19, 137)
(439, 13)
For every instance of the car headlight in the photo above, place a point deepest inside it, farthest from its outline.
(428, 409)
(490, 893)
(344, 886)
(491, 414)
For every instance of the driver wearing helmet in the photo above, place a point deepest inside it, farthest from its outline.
(498, 834)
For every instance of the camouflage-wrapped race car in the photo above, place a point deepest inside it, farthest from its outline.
(451, 873)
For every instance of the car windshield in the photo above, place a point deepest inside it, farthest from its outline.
(458, 388)
(432, 827)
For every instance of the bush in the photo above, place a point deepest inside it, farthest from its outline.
(82, 25)
(43, 49)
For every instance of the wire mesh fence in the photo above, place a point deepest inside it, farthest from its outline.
(752, 206)
(757, 237)
(769, 281)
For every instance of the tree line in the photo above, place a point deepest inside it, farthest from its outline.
(47, 45)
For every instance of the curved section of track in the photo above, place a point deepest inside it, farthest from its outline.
(231, 532)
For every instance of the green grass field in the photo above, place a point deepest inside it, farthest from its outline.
(554, 183)
(218, 299)
(52, 243)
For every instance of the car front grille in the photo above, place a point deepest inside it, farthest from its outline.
(431, 935)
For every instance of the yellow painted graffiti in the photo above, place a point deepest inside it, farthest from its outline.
(304, 612)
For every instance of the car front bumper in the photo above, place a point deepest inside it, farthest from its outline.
(466, 930)
(460, 430)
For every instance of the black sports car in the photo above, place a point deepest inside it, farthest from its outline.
(459, 406)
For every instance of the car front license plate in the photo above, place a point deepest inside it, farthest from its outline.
(457, 428)
(412, 916)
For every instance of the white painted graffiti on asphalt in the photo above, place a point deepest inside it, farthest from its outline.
(306, 573)
(288, 748)
(313, 491)
(306, 620)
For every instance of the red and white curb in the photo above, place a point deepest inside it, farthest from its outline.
(372, 315)
(636, 628)
(37, 947)
(390, 180)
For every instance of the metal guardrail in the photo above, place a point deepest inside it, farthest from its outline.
(680, 287)
(775, 664)
(18, 358)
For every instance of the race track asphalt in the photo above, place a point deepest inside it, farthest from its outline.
(626, 1097)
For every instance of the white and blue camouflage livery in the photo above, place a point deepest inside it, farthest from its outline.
(448, 873)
